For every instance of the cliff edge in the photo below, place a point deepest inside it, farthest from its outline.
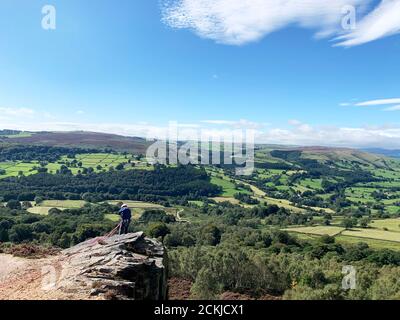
(130, 266)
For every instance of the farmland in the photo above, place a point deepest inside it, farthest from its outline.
(284, 210)
(97, 162)
(137, 207)
(383, 233)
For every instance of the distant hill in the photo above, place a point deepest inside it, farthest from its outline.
(82, 139)
(385, 152)
(325, 154)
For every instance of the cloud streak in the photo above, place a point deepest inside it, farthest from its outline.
(382, 22)
(238, 22)
(378, 102)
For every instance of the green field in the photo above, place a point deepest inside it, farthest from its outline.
(98, 161)
(137, 207)
(373, 234)
(375, 237)
(372, 243)
(389, 224)
(65, 204)
(137, 204)
(18, 135)
(44, 207)
(228, 187)
(317, 230)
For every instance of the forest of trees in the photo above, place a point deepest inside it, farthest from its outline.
(228, 254)
(29, 153)
(158, 184)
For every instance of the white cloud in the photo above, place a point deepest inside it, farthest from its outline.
(240, 124)
(378, 102)
(391, 104)
(218, 122)
(237, 22)
(381, 22)
(80, 112)
(297, 133)
(305, 134)
(19, 112)
(393, 108)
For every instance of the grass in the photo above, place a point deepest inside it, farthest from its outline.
(196, 203)
(317, 230)
(228, 187)
(90, 160)
(44, 207)
(390, 224)
(41, 210)
(112, 217)
(373, 234)
(137, 204)
(372, 243)
(229, 199)
(19, 135)
(64, 204)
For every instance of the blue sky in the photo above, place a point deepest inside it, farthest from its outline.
(130, 66)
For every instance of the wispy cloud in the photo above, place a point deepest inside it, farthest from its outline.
(240, 124)
(378, 102)
(237, 22)
(20, 112)
(305, 134)
(392, 104)
(298, 133)
(382, 22)
(394, 108)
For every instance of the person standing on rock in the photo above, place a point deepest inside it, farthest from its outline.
(126, 217)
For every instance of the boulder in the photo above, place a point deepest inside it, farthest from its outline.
(129, 266)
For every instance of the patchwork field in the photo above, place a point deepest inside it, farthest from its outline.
(97, 161)
(137, 207)
(387, 224)
(317, 230)
(228, 187)
(381, 234)
(373, 234)
(44, 207)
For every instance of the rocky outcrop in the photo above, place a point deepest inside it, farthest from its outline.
(130, 266)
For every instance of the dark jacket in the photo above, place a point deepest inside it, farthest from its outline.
(125, 214)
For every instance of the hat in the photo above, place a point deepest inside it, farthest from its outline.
(124, 205)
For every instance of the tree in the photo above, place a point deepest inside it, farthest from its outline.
(206, 286)
(348, 223)
(26, 205)
(4, 235)
(364, 222)
(20, 233)
(38, 200)
(158, 230)
(14, 204)
(210, 235)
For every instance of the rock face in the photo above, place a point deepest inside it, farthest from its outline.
(130, 266)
